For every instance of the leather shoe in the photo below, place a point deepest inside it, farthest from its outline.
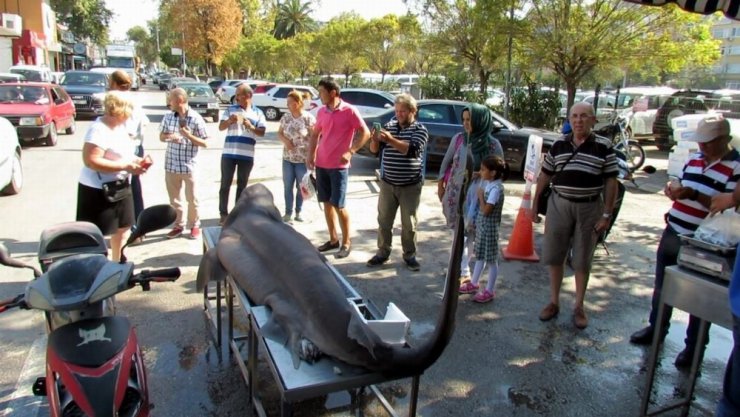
(645, 336)
(376, 261)
(579, 318)
(684, 358)
(329, 245)
(551, 310)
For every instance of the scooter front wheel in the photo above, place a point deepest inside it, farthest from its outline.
(635, 154)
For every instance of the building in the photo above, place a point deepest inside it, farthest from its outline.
(37, 43)
(727, 68)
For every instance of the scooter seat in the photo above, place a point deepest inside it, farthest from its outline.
(90, 342)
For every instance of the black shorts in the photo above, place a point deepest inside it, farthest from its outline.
(109, 217)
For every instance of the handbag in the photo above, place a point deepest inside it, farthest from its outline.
(116, 190)
(547, 191)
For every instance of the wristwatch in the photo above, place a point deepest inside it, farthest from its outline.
(606, 215)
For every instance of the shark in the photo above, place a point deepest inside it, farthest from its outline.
(278, 267)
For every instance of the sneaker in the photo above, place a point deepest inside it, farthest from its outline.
(328, 245)
(412, 264)
(579, 318)
(343, 252)
(550, 311)
(376, 261)
(468, 288)
(484, 297)
(195, 232)
(298, 217)
(286, 218)
(175, 232)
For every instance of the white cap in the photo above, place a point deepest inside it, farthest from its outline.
(711, 128)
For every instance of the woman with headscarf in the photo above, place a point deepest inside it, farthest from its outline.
(468, 147)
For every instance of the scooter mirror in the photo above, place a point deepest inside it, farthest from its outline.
(153, 218)
(5, 255)
(7, 260)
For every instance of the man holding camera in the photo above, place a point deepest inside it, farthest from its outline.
(184, 131)
(401, 145)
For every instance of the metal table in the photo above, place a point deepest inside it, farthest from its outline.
(701, 295)
(308, 381)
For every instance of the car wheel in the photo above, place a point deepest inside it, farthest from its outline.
(51, 138)
(16, 176)
(272, 113)
(72, 128)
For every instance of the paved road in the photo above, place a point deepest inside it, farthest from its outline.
(502, 361)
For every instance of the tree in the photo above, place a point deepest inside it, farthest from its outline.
(293, 17)
(339, 45)
(388, 42)
(146, 45)
(84, 18)
(208, 31)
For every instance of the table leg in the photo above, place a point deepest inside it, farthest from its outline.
(218, 313)
(652, 361)
(695, 362)
(230, 307)
(414, 395)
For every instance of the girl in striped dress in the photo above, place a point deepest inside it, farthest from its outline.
(493, 172)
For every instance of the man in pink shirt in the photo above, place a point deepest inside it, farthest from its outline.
(338, 134)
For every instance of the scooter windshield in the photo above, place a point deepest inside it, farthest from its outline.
(73, 276)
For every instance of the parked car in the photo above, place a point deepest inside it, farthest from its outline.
(9, 77)
(275, 101)
(641, 105)
(201, 99)
(225, 91)
(37, 110)
(157, 76)
(443, 120)
(685, 102)
(369, 102)
(33, 72)
(87, 90)
(11, 169)
(175, 82)
(164, 80)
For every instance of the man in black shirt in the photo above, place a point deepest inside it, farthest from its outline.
(401, 145)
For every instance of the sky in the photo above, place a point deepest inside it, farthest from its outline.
(130, 13)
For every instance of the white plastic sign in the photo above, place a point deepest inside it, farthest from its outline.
(534, 156)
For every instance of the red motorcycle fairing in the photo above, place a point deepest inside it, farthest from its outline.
(95, 369)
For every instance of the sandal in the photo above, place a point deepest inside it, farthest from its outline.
(468, 288)
(328, 245)
(483, 297)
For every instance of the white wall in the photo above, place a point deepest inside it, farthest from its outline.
(6, 53)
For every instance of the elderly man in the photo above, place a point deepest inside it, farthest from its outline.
(245, 123)
(342, 132)
(581, 167)
(184, 131)
(713, 170)
(401, 145)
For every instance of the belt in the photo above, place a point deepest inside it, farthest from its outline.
(589, 199)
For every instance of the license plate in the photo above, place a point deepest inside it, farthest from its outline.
(79, 101)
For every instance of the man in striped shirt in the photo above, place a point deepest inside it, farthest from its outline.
(713, 170)
(184, 131)
(402, 144)
(582, 167)
(243, 123)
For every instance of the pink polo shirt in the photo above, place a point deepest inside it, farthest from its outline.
(337, 129)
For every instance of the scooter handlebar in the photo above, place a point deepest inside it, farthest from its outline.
(14, 302)
(157, 275)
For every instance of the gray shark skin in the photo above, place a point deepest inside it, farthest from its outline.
(278, 267)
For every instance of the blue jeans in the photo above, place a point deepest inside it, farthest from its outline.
(668, 256)
(228, 166)
(293, 173)
(729, 404)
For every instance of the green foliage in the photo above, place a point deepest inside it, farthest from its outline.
(450, 87)
(293, 17)
(84, 18)
(534, 107)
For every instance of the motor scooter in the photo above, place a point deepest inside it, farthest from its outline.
(94, 365)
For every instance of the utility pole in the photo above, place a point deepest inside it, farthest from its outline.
(507, 101)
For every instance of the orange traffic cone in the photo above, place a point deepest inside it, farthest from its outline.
(521, 242)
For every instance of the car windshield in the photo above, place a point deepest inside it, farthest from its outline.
(84, 78)
(29, 74)
(25, 94)
(198, 91)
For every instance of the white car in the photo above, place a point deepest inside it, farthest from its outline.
(227, 90)
(11, 170)
(369, 102)
(274, 102)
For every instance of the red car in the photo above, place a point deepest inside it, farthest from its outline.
(37, 110)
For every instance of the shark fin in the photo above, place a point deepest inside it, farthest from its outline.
(210, 268)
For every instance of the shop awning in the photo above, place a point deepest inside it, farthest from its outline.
(731, 8)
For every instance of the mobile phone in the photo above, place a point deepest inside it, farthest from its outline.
(377, 126)
(183, 122)
(147, 161)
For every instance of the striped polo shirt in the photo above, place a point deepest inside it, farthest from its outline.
(397, 168)
(709, 179)
(584, 174)
(239, 142)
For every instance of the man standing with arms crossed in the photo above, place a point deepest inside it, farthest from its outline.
(245, 123)
(184, 131)
(402, 145)
(338, 134)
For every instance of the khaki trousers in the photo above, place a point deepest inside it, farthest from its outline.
(174, 190)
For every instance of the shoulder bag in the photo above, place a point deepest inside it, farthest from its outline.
(545, 194)
(117, 190)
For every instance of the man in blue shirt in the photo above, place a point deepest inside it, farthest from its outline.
(245, 123)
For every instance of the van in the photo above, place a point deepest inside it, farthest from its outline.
(33, 72)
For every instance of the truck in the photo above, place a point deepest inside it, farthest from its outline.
(124, 57)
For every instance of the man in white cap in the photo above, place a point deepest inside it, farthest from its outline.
(713, 170)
